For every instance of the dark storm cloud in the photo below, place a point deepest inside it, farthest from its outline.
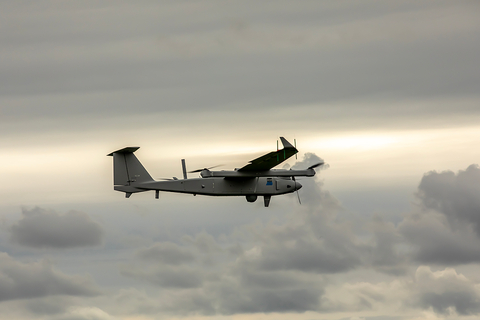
(40, 228)
(31, 280)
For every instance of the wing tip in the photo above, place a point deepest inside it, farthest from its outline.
(286, 144)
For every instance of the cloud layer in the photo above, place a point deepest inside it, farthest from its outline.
(33, 280)
(288, 265)
(40, 228)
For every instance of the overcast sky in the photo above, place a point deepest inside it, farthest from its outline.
(386, 92)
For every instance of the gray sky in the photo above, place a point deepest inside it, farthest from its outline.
(385, 91)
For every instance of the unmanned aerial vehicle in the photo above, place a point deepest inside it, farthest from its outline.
(258, 178)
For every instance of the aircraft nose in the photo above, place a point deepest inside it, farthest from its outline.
(297, 185)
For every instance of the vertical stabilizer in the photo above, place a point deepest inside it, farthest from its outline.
(127, 169)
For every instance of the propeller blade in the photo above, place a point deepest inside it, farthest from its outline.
(298, 195)
(316, 165)
(200, 170)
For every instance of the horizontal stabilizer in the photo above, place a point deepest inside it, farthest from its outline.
(125, 150)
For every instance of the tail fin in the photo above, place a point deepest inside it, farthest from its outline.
(127, 170)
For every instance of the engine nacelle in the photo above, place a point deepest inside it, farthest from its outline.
(251, 198)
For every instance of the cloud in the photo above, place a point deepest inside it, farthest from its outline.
(166, 252)
(46, 306)
(261, 300)
(298, 262)
(203, 243)
(293, 247)
(116, 66)
(445, 289)
(446, 292)
(454, 195)
(309, 159)
(311, 240)
(85, 313)
(245, 288)
(40, 228)
(444, 229)
(171, 265)
(278, 267)
(167, 265)
(246, 291)
(166, 276)
(435, 242)
(383, 252)
(39, 279)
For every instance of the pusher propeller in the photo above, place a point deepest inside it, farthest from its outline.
(317, 165)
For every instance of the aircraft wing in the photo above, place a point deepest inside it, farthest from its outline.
(272, 159)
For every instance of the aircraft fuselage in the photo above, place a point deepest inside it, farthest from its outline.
(218, 186)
